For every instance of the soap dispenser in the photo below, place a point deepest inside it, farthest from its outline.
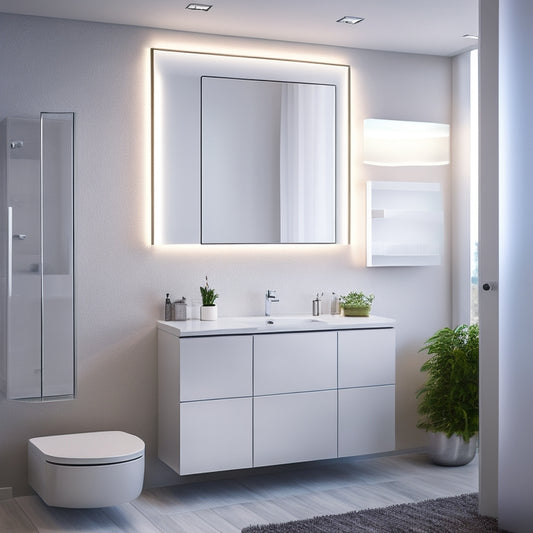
(317, 305)
(168, 308)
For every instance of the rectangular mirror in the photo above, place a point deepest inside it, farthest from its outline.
(248, 150)
(268, 162)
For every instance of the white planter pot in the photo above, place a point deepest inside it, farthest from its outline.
(208, 312)
(453, 451)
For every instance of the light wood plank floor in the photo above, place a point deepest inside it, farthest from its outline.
(227, 505)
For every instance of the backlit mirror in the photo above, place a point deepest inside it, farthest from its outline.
(248, 150)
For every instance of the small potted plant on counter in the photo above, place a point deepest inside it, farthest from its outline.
(449, 407)
(356, 303)
(208, 310)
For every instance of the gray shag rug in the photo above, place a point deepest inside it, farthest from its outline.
(458, 514)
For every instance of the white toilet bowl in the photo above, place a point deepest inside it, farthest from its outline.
(86, 469)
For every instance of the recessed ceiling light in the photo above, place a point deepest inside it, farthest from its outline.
(470, 36)
(199, 7)
(351, 20)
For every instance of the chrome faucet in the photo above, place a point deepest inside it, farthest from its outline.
(270, 297)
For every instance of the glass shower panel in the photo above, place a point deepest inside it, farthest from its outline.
(37, 358)
(57, 254)
(24, 276)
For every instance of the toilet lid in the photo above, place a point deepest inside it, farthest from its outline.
(101, 447)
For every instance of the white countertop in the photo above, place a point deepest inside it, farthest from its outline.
(270, 324)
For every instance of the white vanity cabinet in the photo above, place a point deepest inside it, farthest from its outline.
(236, 397)
(366, 391)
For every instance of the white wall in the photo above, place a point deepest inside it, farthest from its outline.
(101, 72)
(461, 167)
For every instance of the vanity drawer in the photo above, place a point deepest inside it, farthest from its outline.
(290, 428)
(295, 362)
(366, 420)
(215, 435)
(367, 357)
(215, 367)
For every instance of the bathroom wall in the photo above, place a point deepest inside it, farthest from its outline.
(101, 72)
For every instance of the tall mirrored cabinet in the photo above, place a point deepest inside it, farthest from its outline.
(37, 268)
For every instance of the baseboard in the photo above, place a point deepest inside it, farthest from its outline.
(6, 493)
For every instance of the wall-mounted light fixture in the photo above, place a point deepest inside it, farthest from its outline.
(199, 7)
(391, 143)
(351, 20)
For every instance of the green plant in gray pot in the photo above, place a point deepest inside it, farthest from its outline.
(449, 406)
(356, 303)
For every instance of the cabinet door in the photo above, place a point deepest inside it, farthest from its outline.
(215, 367)
(289, 428)
(215, 435)
(366, 420)
(293, 362)
(367, 357)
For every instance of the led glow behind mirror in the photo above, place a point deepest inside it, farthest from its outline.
(177, 151)
(406, 143)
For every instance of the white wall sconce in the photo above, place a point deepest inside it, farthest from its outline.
(406, 143)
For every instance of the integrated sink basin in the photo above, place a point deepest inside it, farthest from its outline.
(281, 322)
(256, 325)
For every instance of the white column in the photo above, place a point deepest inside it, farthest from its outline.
(488, 255)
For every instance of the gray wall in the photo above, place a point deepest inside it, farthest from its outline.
(101, 72)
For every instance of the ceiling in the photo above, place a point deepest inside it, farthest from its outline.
(417, 26)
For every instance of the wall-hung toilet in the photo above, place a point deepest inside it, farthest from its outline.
(85, 470)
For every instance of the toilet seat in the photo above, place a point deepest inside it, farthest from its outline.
(86, 470)
(101, 447)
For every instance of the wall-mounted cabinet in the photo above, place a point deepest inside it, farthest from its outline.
(241, 401)
(405, 223)
(37, 256)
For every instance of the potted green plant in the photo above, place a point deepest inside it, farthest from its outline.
(449, 406)
(356, 303)
(208, 310)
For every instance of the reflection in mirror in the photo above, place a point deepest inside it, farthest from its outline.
(244, 163)
(268, 150)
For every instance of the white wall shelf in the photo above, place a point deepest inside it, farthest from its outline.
(405, 223)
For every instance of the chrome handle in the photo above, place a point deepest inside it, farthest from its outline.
(9, 252)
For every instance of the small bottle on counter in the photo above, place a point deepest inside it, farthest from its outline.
(335, 304)
(317, 305)
(168, 308)
(180, 309)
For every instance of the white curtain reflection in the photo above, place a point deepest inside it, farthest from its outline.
(307, 128)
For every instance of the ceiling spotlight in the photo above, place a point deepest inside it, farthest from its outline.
(199, 7)
(470, 36)
(351, 20)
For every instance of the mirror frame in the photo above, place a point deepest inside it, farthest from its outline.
(176, 157)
